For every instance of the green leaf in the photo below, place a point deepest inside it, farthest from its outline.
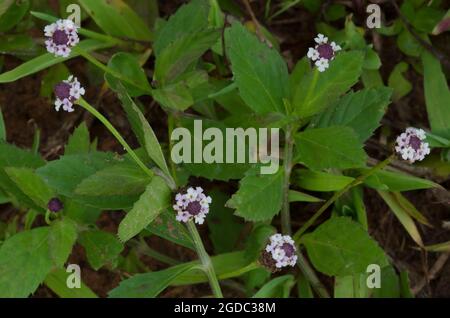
(31, 184)
(65, 174)
(127, 65)
(24, 258)
(101, 247)
(46, 60)
(143, 130)
(279, 287)
(152, 202)
(426, 18)
(179, 55)
(57, 282)
(14, 12)
(116, 18)
(396, 181)
(297, 196)
(79, 142)
(188, 19)
(340, 247)
(402, 215)
(61, 238)
(361, 111)
(251, 201)
(398, 82)
(318, 90)
(149, 285)
(223, 226)
(121, 179)
(437, 95)
(408, 44)
(320, 181)
(332, 147)
(259, 71)
(166, 226)
(390, 286)
(440, 247)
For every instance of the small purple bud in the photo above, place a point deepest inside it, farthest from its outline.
(60, 37)
(55, 205)
(325, 51)
(62, 90)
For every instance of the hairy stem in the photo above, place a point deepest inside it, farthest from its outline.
(116, 134)
(338, 194)
(205, 260)
(287, 165)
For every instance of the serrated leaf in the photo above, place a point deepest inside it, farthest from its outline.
(79, 142)
(317, 90)
(121, 179)
(332, 147)
(61, 238)
(116, 18)
(152, 202)
(251, 201)
(361, 111)
(340, 247)
(31, 184)
(101, 247)
(260, 72)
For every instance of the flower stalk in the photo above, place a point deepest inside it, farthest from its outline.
(205, 260)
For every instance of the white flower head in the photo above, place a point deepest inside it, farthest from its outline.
(61, 37)
(323, 52)
(67, 93)
(281, 250)
(411, 146)
(192, 204)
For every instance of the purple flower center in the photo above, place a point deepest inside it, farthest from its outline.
(62, 90)
(325, 51)
(55, 205)
(288, 249)
(194, 208)
(415, 142)
(60, 37)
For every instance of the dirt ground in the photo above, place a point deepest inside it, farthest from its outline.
(24, 111)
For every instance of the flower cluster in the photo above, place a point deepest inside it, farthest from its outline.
(411, 145)
(323, 52)
(193, 204)
(67, 92)
(61, 37)
(279, 253)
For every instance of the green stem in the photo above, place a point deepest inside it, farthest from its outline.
(205, 260)
(107, 69)
(287, 164)
(147, 250)
(116, 134)
(241, 271)
(338, 194)
(311, 276)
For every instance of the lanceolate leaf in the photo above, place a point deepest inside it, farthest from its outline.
(46, 60)
(251, 201)
(437, 95)
(57, 282)
(101, 247)
(361, 111)
(333, 147)
(152, 202)
(396, 181)
(318, 90)
(320, 181)
(143, 131)
(279, 287)
(342, 247)
(61, 238)
(259, 71)
(79, 142)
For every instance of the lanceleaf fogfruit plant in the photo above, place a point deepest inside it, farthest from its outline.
(208, 67)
